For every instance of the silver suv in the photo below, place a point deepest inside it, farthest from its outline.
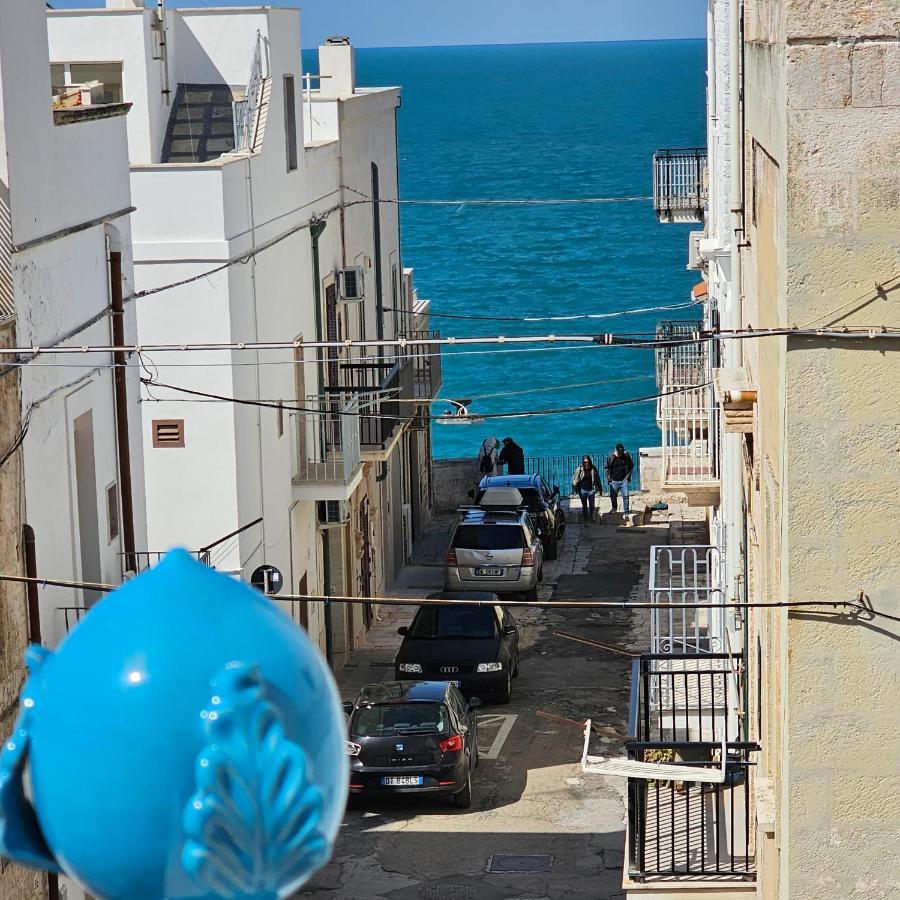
(494, 550)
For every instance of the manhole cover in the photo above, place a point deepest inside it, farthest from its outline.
(499, 863)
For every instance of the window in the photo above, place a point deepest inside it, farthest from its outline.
(112, 511)
(279, 419)
(387, 719)
(290, 123)
(168, 432)
(453, 622)
(488, 537)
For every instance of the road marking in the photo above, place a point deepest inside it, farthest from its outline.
(505, 722)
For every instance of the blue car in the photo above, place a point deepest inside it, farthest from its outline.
(543, 502)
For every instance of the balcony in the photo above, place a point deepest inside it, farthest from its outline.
(426, 364)
(691, 829)
(384, 396)
(680, 184)
(682, 363)
(328, 458)
(681, 576)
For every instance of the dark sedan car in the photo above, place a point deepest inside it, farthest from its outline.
(543, 504)
(478, 646)
(412, 737)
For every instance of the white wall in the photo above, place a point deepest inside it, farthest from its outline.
(61, 177)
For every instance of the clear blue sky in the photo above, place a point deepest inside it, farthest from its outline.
(397, 23)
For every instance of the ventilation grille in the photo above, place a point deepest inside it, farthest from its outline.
(168, 432)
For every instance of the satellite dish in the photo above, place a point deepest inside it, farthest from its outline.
(268, 579)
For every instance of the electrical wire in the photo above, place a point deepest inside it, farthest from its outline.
(572, 318)
(499, 201)
(284, 407)
(856, 604)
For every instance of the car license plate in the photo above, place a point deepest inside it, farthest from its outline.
(401, 780)
(494, 572)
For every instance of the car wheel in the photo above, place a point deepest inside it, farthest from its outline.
(504, 695)
(551, 549)
(531, 594)
(463, 800)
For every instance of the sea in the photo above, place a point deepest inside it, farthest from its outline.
(544, 122)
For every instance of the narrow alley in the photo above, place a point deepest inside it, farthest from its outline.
(533, 809)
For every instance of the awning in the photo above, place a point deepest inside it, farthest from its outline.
(700, 291)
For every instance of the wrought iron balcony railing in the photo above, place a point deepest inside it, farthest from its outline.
(679, 577)
(680, 184)
(426, 364)
(689, 422)
(683, 363)
(685, 712)
(383, 393)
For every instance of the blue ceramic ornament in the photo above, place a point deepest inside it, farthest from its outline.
(185, 741)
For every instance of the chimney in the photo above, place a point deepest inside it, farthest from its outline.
(337, 61)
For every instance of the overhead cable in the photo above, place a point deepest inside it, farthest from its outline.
(604, 315)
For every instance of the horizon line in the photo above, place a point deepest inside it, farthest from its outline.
(518, 44)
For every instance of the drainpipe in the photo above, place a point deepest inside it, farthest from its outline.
(329, 622)
(712, 116)
(315, 232)
(117, 319)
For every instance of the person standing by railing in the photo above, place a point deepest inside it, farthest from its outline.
(586, 483)
(618, 468)
(488, 464)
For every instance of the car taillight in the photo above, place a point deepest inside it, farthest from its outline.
(451, 744)
(528, 557)
(451, 557)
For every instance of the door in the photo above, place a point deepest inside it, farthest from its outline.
(303, 605)
(365, 562)
(86, 504)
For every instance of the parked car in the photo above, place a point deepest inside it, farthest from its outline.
(477, 646)
(412, 737)
(495, 550)
(542, 500)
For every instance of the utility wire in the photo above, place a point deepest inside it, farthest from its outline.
(572, 318)
(607, 339)
(499, 201)
(856, 604)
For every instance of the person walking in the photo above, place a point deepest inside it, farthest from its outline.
(618, 468)
(513, 456)
(586, 483)
(488, 463)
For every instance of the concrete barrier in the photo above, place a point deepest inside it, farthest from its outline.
(453, 479)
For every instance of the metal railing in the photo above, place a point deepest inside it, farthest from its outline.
(426, 363)
(683, 711)
(146, 559)
(559, 470)
(680, 575)
(689, 422)
(245, 110)
(328, 440)
(679, 365)
(680, 184)
(382, 391)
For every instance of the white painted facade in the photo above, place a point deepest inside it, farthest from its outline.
(242, 462)
(66, 183)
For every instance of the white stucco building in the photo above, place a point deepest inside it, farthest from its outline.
(238, 166)
(65, 204)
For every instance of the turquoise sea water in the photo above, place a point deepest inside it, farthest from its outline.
(544, 121)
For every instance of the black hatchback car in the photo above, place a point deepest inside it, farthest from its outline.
(477, 646)
(543, 504)
(412, 737)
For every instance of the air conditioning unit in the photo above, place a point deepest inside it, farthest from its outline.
(695, 261)
(331, 513)
(350, 285)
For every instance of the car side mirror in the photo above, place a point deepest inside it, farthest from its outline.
(402, 630)
(555, 490)
(347, 707)
(475, 702)
(509, 629)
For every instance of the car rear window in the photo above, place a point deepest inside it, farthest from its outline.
(386, 719)
(488, 537)
(453, 622)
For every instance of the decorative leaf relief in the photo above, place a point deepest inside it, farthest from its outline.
(252, 825)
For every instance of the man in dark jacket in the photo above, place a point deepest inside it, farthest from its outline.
(513, 456)
(618, 468)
